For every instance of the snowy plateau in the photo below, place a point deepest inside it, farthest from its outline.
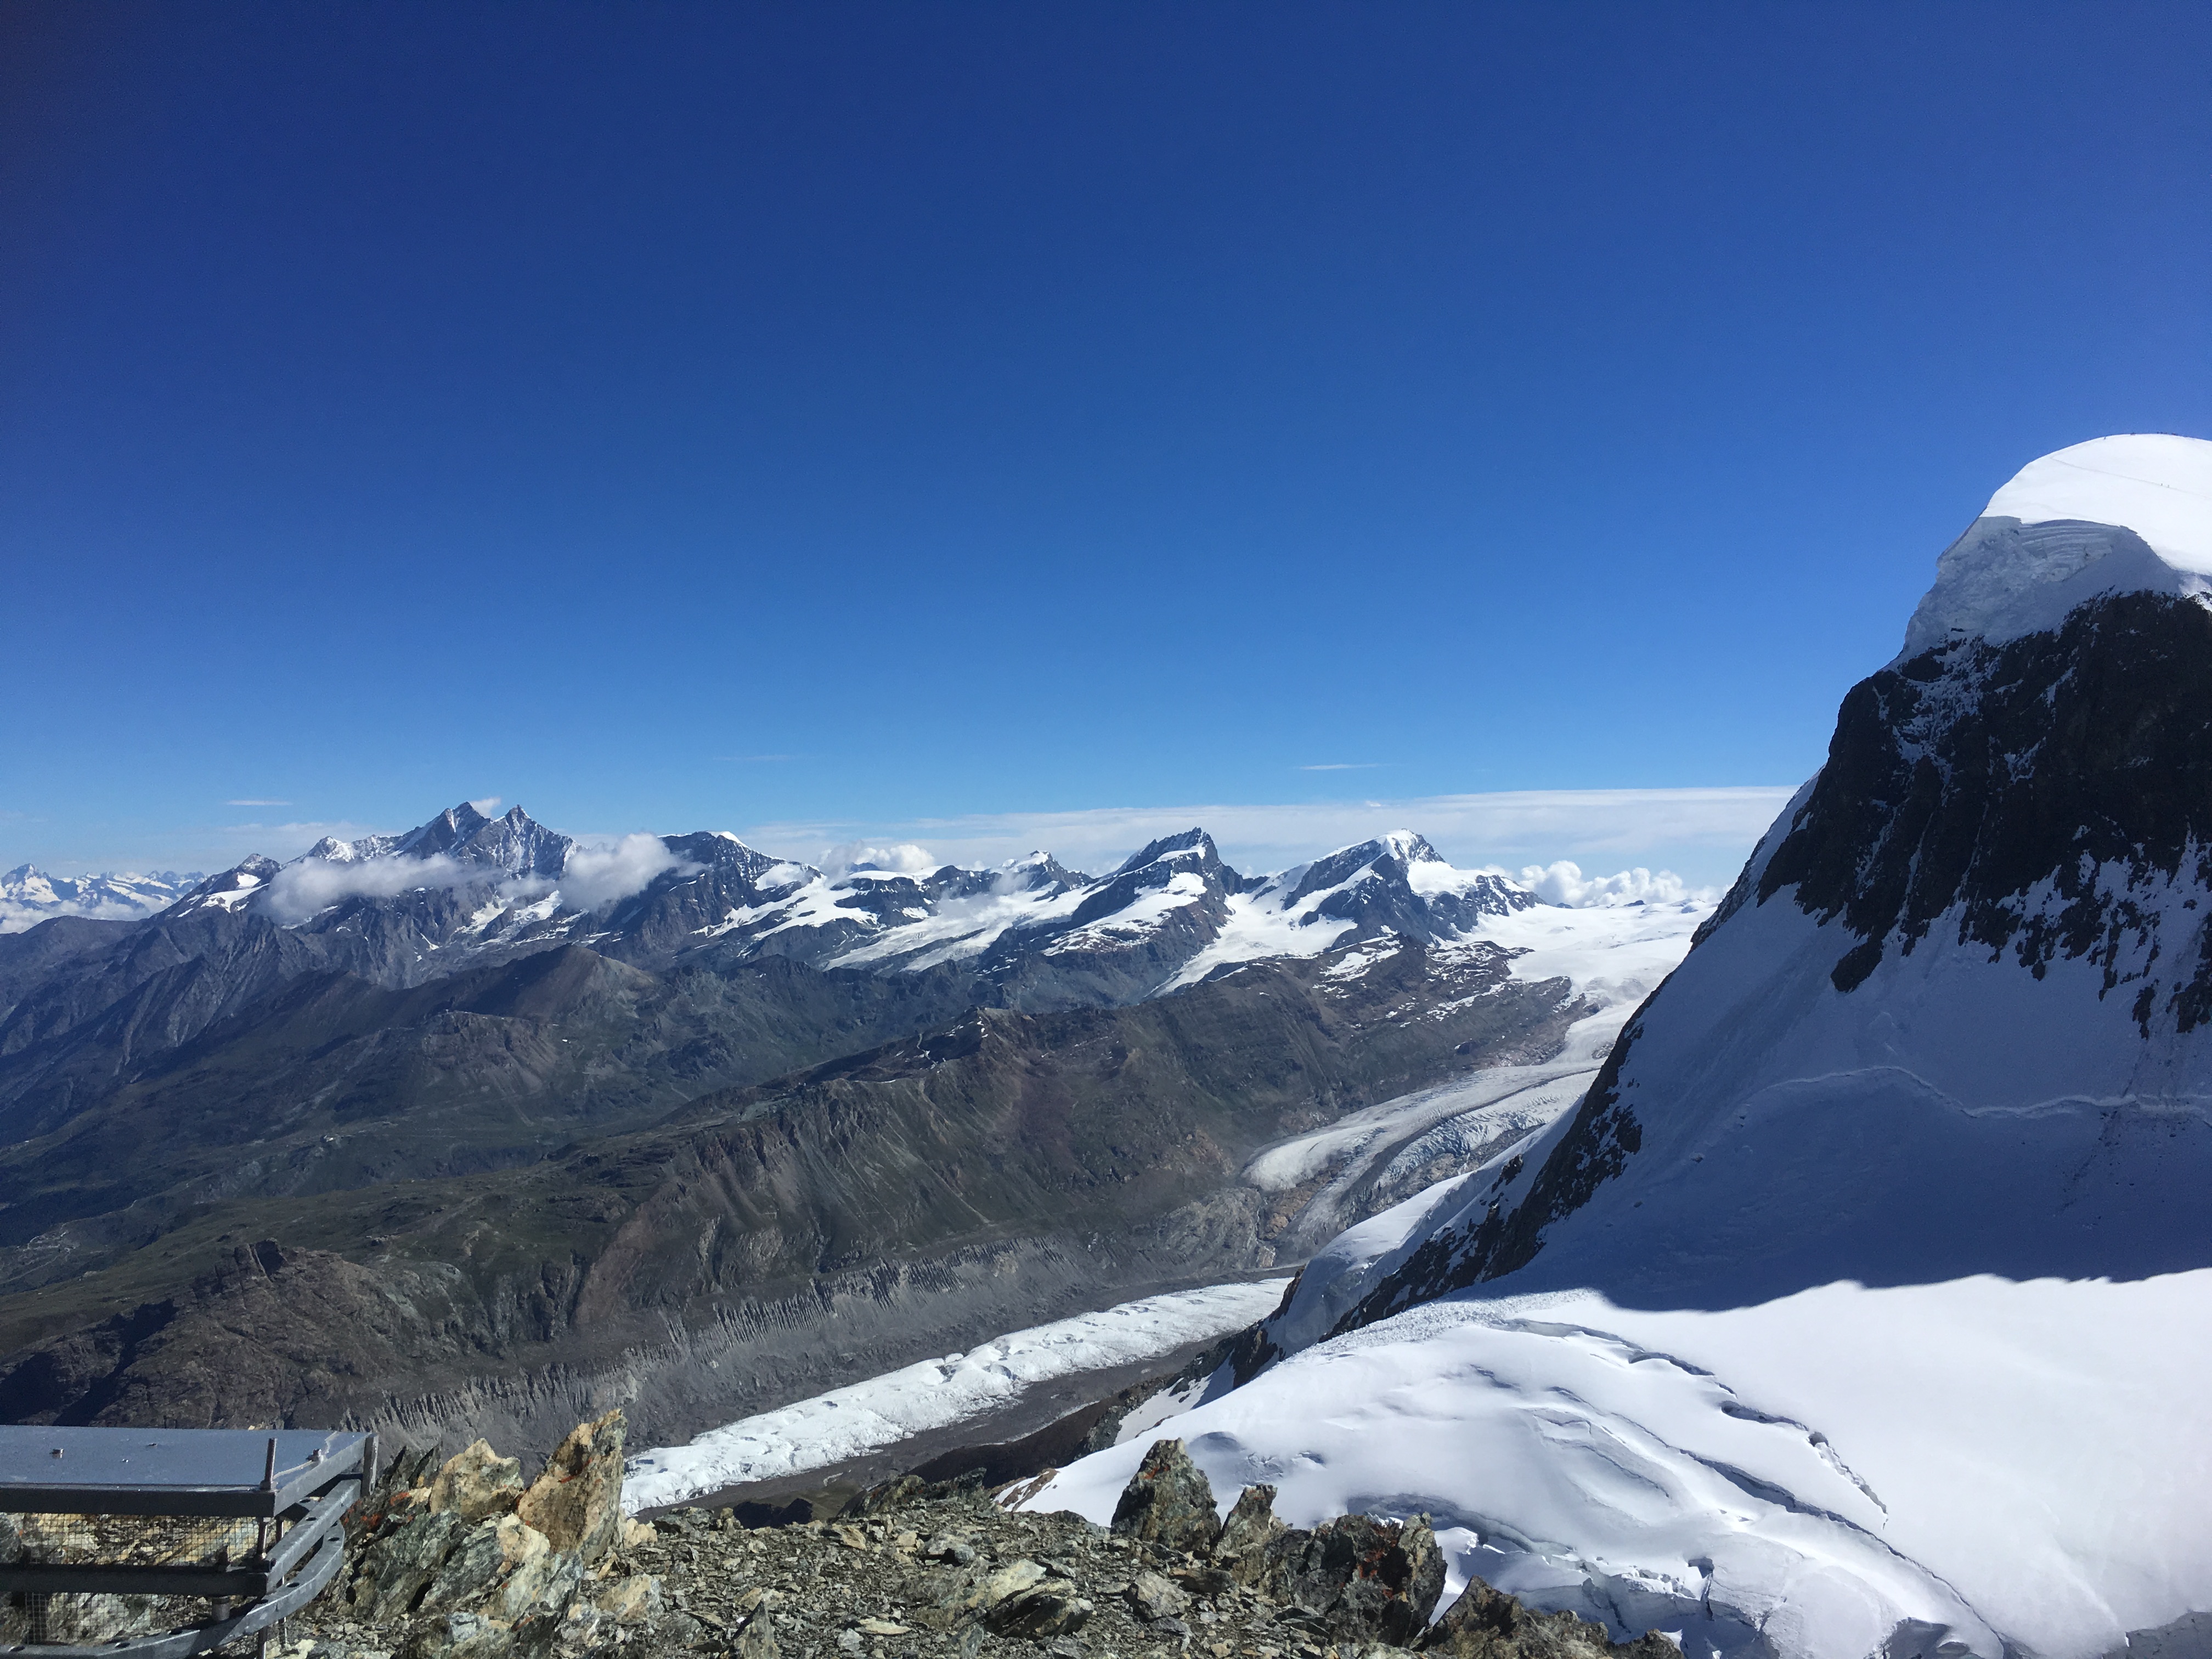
(1862, 1306)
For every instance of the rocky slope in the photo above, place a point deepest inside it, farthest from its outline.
(921, 1195)
(469, 1562)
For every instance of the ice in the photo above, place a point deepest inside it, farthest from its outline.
(847, 1423)
(2113, 515)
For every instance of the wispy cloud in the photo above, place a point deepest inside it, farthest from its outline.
(488, 805)
(1342, 766)
(253, 800)
(1703, 835)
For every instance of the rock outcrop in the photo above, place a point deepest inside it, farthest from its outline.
(1169, 1502)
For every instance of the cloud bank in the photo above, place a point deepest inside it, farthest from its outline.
(903, 859)
(601, 873)
(299, 890)
(1564, 883)
(597, 873)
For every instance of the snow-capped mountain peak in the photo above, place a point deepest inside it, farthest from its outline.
(2115, 515)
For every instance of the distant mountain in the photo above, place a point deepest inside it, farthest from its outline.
(28, 896)
(1859, 1305)
(987, 1096)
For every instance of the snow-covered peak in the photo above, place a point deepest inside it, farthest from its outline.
(29, 895)
(2114, 516)
(2155, 483)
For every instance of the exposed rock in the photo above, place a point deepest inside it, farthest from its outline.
(1487, 1623)
(399, 1565)
(1169, 1502)
(477, 1482)
(1366, 1580)
(1051, 1609)
(577, 1502)
(1154, 1597)
(1248, 1535)
(426, 1584)
(457, 1636)
(757, 1641)
(632, 1600)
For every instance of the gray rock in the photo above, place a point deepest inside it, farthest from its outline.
(1246, 1537)
(1488, 1624)
(1169, 1502)
(401, 1562)
(457, 1636)
(947, 1546)
(1151, 1597)
(1051, 1609)
(757, 1640)
(1367, 1580)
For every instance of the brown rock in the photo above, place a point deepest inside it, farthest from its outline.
(476, 1482)
(577, 1502)
(1488, 1624)
(1169, 1502)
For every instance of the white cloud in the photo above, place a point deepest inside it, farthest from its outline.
(903, 859)
(488, 805)
(299, 890)
(1564, 883)
(601, 873)
(1705, 834)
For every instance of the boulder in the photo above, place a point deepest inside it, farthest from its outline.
(506, 1568)
(577, 1502)
(1488, 1624)
(1246, 1537)
(1169, 1502)
(1150, 1596)
(476, 1482)
(1051, 1609)
(1008, 1581)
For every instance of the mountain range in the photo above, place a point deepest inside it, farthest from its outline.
(476, 1125)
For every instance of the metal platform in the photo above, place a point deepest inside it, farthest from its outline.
(250, 1520)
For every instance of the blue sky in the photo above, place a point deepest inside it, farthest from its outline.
(849, 417)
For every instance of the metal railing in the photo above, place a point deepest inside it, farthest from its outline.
(218, 1533)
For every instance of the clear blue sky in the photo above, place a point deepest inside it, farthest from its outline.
(676, 415)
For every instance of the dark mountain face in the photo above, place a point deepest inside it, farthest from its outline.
(2047, 795)
(1955, 1005)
